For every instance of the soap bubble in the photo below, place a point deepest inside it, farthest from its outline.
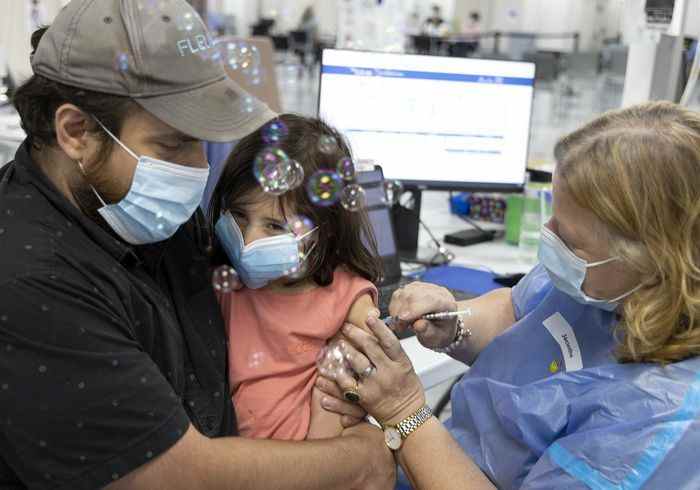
(121, 62)
(272, 167)
(392, 191)
(225, 279)
(327, 144)
(296, 175)
(353, 197)
(148, 4)
(297, 272)
(186, 22)
(274, 132)
(332, 361)
(233, 56)
(248, 104)
(256, 359)
(300, 225)
(249, 58)
(324, 188)
(243, 57)
(346, 169)
(255, 75)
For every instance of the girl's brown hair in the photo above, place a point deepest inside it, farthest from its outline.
(638, 171)
(340, 232)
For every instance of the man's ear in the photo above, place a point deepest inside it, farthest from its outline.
(72, 134)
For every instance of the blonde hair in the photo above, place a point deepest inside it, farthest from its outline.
(638, 171)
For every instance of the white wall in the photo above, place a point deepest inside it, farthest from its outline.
(288, 13)
(593, 19)
(244, 11)
(15, 34)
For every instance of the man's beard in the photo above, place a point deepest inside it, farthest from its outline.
(87, 200)
(85, 195)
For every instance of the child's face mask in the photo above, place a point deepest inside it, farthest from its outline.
(264, 260)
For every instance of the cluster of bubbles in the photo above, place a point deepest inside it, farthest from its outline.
(332, 361)
(239, 54)
(333, 184)
(276, 172)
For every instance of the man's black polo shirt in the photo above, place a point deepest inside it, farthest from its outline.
(107, 352)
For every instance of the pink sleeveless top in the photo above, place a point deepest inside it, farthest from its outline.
(274, 339)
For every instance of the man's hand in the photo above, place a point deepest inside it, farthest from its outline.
(381, 474)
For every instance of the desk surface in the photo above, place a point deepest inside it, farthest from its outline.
(498, 255)
(432, 368)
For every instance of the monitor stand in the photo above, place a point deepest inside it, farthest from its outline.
(405, 217)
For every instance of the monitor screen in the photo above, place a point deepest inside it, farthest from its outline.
(378, 212)
(437, 122)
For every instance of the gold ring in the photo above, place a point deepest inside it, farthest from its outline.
(353, 396)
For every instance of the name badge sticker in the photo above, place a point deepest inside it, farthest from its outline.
(564, 335)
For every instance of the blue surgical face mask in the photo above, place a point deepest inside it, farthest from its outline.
(262, 261)
(162, 197)
(568, 271)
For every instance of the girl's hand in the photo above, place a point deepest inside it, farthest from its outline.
(384, 378)
(411, 302)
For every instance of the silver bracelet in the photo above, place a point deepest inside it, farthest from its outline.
(461, 334)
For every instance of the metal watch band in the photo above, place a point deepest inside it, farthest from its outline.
(410, 424)
(461, 334)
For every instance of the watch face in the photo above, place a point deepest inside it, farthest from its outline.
(392, 437)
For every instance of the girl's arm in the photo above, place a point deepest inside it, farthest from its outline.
(325, 424)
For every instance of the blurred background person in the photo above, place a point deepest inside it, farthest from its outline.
(435, 25)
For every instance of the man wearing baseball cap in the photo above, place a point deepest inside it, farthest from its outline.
(112, 349)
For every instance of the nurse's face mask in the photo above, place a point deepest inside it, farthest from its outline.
(162, 197)
(568, 271)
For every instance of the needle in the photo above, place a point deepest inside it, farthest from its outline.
(443, 315)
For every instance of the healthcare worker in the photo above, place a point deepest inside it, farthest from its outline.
(586, 374)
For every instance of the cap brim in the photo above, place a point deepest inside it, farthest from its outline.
(219, 112)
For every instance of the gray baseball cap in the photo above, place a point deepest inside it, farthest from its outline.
(158, 53)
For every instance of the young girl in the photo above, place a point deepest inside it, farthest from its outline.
(278, 324)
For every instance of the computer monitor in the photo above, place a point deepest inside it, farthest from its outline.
(432, 122)
(378, 213)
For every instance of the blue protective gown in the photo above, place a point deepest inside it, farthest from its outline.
(546, 406)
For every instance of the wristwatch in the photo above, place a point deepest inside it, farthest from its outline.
(394, 435)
